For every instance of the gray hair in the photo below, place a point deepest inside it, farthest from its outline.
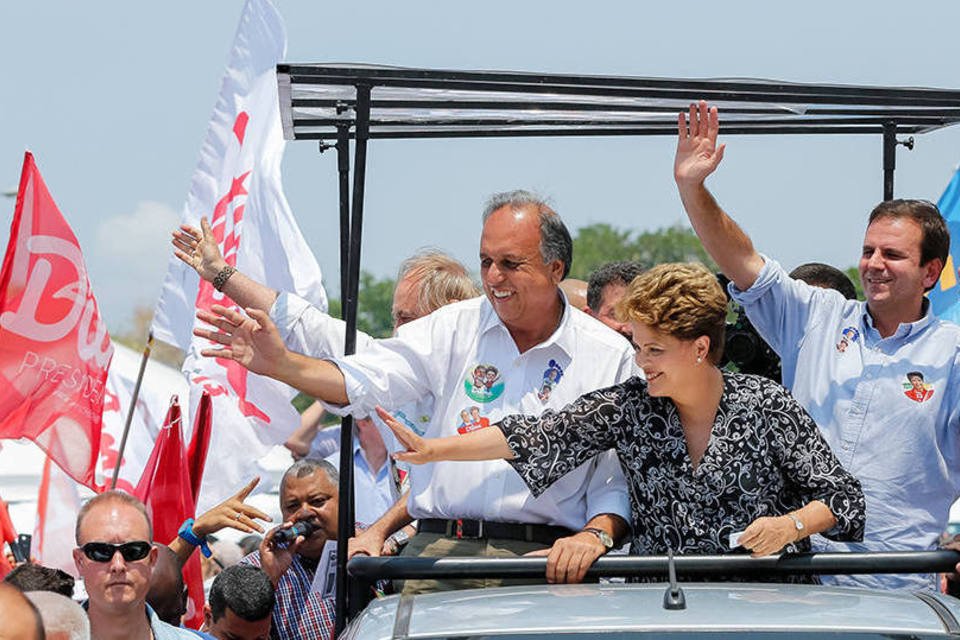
(309, 466)
(555, 240)
(441, 279)
(60, 614)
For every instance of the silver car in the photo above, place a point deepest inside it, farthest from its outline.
(714, 610)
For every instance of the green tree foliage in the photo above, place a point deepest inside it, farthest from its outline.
(854, 274)
(597, 244)
(375, 313)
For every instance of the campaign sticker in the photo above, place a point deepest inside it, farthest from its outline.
(471, 420)
(483, 383)
(551, 378)
(848, 335)
(916, 389)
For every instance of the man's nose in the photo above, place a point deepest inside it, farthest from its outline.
(494, 273)
(875, 260)
(117, 563)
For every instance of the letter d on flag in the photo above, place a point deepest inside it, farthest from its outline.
(54, 348)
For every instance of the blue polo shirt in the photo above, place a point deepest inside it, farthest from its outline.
(373, 491)
(897, 432)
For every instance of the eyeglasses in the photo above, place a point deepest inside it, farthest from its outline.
(104, 551)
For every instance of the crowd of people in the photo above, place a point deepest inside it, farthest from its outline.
(561, 418)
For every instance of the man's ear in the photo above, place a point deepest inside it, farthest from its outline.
(556, 271)
(932, 271)
(207, 616)
(78, 559)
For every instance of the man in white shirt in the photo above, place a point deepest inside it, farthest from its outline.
(537, 353)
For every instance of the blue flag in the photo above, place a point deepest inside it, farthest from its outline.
(945, 295)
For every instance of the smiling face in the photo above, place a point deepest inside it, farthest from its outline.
(117, 585)
(890, 270)
(669, 363)
(917, 383)
(518, 284)
(312, 497)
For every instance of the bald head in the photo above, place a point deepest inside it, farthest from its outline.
(63, 619)
(21, 620)
(576, 292)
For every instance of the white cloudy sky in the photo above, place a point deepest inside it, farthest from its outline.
(113, 98)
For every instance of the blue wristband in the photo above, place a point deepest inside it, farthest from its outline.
(191, 538)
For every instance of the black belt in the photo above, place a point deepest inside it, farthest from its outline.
(474, 529)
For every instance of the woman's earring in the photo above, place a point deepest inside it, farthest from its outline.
(699, 359)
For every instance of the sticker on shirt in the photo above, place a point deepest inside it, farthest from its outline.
(551, 378)
(848, 335)
(916, 389)
(402, 417)
(483, 383)
(471, 420)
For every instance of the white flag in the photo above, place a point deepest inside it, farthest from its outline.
(160, 382)
(237, 186)
(58, 504)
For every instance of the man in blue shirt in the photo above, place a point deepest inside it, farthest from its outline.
(854, 365)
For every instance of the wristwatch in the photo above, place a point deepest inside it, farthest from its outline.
(602, 535)
(796, 523)
(187, 534)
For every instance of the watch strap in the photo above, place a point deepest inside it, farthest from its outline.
(602, 536)
(187, 534)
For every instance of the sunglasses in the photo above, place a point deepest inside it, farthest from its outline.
(104, 551)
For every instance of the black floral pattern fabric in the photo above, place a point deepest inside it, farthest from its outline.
(765, 457)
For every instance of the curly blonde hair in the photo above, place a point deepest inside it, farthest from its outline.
(681, 299)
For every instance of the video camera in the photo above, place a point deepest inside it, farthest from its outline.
(743, 346)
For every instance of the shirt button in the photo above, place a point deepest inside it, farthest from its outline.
(845, 446)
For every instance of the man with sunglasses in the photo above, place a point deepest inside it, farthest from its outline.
(115, 558)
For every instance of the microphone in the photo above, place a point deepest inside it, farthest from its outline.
(303, 528)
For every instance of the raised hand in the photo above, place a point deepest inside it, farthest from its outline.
(418, 450)
(697, 152)
(251, 340)
(233, 513)
(197, 248)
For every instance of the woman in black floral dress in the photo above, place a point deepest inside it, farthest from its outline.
(707, 454)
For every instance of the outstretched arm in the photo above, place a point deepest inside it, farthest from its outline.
(482, 444)
(697, 157)
(197, 248)
(254, 342)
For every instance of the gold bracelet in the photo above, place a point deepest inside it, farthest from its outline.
(221, 278)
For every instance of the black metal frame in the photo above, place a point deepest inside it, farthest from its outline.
(339, 103)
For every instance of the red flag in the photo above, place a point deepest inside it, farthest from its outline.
(165, 489)
(7, 535)
(54, 349)
(58, 504)
(199, 443)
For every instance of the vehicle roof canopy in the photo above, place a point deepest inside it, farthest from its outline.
(316, 99)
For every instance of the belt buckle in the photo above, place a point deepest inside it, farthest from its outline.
(466, 536)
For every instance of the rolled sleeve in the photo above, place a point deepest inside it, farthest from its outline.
(608, 492)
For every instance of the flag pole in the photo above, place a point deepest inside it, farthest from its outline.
(133, 403)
